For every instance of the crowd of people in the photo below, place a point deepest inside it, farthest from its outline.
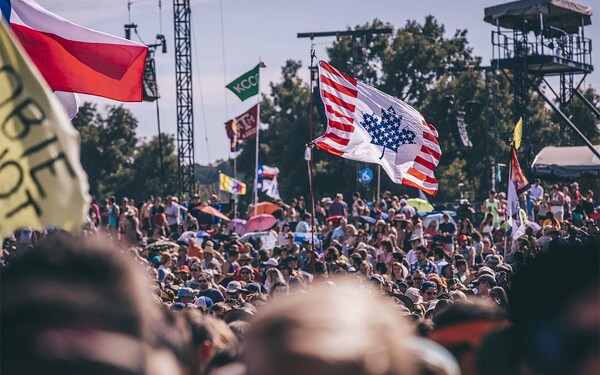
(163, 287)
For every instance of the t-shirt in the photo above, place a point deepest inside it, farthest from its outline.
(173, 215)
(537, 192)
(213, 294)
(338, 208)
(448, 227)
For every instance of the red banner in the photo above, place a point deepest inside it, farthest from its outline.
(246, 124)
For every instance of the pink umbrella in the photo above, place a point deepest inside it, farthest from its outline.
(260, 223)
(237, 225)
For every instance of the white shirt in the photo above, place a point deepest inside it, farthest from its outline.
(537, 192)
(173, 214)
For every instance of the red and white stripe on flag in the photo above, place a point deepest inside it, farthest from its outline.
(73, 58)
(368, 125)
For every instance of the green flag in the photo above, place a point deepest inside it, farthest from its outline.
(245, 85)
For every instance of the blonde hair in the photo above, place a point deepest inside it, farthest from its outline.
(368, 336)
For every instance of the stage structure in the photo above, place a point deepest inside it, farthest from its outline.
(536, 39)
(184, 98)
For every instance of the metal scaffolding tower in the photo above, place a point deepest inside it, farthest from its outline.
(536, 39)
(184, 98)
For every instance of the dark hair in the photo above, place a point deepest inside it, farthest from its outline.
(466, 311)
(461, 262)
(38, 292)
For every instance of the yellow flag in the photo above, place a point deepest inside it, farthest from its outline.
(231, 185)
(42, 182)
(518, 133)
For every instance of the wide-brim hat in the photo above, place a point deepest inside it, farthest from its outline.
(406, 301)
(414, 237)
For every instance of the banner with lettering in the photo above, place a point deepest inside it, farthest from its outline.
(42, 182)
(246, 85)
(245, 124)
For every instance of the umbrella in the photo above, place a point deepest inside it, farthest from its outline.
(162, 245)
(335, 219)
(237, 225)
(260, 223)
(210, 210)
(263, 208)
(362, 219)
(420, 204)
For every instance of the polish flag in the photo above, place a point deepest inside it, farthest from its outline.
(73, 58)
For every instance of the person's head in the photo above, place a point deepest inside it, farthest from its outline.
(421, 253)
(448, 271)
(356, 196)
(398, 270)
(418, 277)
(564, 315)
(492, 194)
(66, 300)
(446, 218)
(415, 242)
(461, 328)
(209, 336)
(461, 265)
(246, 274)
(278, 290)
(429, 291)
(536, 182)
(285, 334)
(484, 284)
(554, 188)
(387, 246)
(204, 280)
(186, 295)
(366, 268)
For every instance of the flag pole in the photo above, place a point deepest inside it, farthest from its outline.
(378, 182)
(235, 196)
(260, 64)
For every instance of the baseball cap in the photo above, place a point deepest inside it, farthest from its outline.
(253, 288)
(204, 301)
(185, 292)
(235, 286)
(271, 262)
(414, 295)
(462, 237)
(428, 284)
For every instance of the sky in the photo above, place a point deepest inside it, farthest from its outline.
(230, 36)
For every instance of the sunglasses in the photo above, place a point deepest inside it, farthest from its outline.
(430, 293)
(203, 281)
(195, 269)
(245, 273)
(417, 278)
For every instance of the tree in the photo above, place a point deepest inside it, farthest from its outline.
(116, 161)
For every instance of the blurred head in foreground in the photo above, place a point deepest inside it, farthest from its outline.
(341, 330)
(78, 307)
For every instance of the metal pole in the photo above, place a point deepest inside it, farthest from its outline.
(257, 141)
(378, 182)
(568, 122)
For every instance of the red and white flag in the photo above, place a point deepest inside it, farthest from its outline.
(73, 58)
(368, 125)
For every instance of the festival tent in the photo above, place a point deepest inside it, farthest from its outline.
(567, 162)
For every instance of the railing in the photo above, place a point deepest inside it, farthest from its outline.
(553, 42)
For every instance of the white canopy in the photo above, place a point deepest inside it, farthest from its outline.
(567, 161)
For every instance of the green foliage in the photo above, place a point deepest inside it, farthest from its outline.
(116, 161)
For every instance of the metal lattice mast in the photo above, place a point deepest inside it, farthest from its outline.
(184, 98)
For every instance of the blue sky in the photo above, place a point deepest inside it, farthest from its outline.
(265, 29)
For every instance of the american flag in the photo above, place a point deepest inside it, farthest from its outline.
(368, 125)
